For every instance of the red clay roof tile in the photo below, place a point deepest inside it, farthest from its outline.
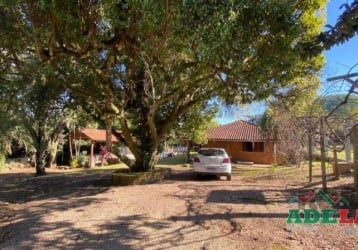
(93, 134)
(236, 131)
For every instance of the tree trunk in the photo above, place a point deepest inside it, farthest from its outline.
(188, 148)
(354, 140)
(310, 158)
(52, 154)
(335, 162)
(70, 141)
(145, 162)
(40, 161)
(109, 133)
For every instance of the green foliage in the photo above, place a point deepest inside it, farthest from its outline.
(345, 28)
(273, 168)
(194, 124)
(80, 161)
(83, 159)
(74, 163)
(147, 64)
(2, 161)
(3, 152)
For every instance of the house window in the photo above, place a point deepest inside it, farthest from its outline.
(249, 146)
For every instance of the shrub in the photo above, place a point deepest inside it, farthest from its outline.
(74, 163)
(2, 161)
(83, 159)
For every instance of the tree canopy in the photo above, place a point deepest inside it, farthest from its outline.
(145, 63)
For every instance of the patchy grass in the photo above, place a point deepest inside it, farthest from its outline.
(249, 170)
(175, 160)
(299, 174)
(3, 166)
(340, 155)
(2, 161)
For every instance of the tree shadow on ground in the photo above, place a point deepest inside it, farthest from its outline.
(282, 193)
(21, 188)
(26, 226)
(31, 226)
(36, 233)
(55, 193)
(124, 232)
(200, 200)
(246, 196)
(206, 208)
(188, 175)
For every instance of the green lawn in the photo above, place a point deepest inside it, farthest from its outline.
(175, 160)
(340, 155)
(250, 170)
(180, 159)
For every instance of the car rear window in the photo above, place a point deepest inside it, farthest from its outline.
(211, 152)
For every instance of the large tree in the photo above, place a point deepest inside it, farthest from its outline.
(33, 104)
(44, 115)
(145, 63)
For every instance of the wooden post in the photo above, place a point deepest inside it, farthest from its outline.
(347, 150)
(325, 139)
(323, 158)
(310, 157)
(70, 145)
(274, 153)
(91, 158)
(109, 133)
(354, 140)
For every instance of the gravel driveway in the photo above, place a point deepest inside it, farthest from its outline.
(85, 212)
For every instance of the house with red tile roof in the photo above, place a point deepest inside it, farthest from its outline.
(244, 141)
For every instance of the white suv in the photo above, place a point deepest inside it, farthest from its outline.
(214, 161)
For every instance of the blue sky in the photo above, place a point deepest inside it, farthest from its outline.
(339, 59)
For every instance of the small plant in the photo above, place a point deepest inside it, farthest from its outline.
(104, 155)
(2, 161)
(83, 159)
(74, 163)
(272, 168)
(2, 156)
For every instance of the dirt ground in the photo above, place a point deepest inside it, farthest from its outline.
(83, 211)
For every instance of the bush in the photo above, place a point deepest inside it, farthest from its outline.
(2, 161)
(74, 163)
(83, 159)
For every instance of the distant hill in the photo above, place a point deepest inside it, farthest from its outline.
(331, 101)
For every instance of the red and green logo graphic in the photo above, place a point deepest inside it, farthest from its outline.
(332, 215)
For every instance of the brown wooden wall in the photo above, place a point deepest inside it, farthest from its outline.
(234, 150)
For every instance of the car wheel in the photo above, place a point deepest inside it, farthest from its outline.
(228, 177)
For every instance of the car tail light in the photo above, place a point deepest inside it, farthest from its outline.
(226, 160)
(196, 159)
